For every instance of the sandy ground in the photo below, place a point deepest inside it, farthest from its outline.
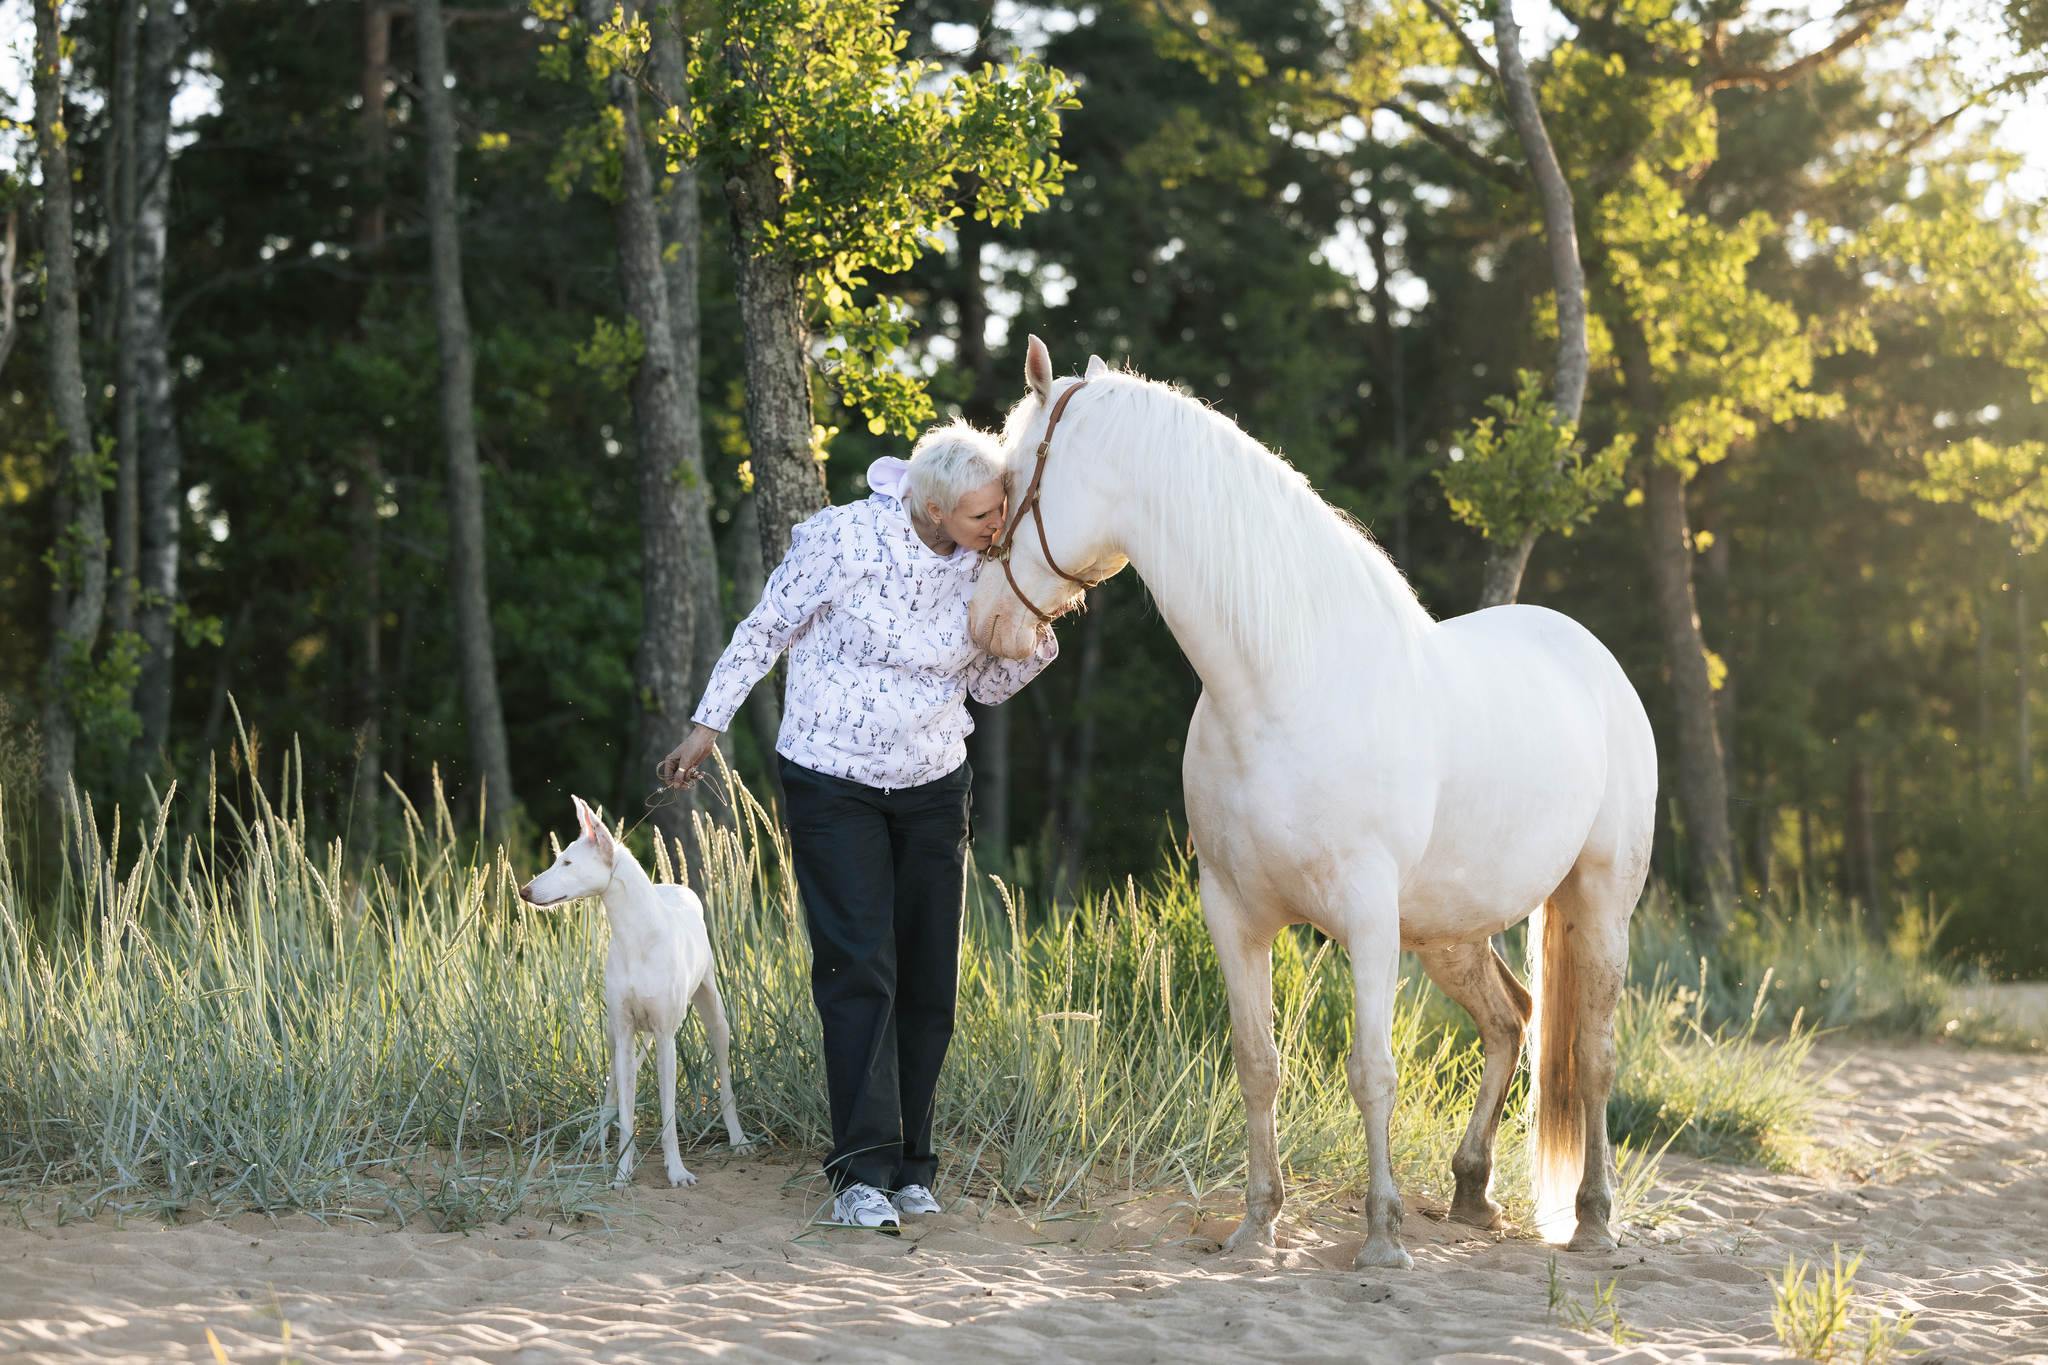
(1947, 1194)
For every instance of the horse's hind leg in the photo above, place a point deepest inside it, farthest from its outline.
(1596, 905)
(1247, 962)
(1473, 975)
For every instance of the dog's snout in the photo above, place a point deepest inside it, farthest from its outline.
(526, 893)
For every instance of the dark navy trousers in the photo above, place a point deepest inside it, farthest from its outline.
(882, 874)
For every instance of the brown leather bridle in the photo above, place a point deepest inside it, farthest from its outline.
(1000, 548)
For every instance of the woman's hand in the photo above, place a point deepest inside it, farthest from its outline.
(681, 768)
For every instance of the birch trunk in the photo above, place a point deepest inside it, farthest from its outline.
(789, 484)
(1505, 563)
(160, 458)
(674, 521)
(10, 326)
(489, 753)
(79, 597)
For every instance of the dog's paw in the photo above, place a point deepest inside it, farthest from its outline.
(680, 1178)
(744, 1149)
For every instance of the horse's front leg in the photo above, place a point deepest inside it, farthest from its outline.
(1375, 948)
(1247, 961)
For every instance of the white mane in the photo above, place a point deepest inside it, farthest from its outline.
(1280, 569)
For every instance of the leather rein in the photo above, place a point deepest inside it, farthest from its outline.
(1030, 503)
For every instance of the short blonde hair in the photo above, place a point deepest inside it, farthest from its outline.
(950, 462)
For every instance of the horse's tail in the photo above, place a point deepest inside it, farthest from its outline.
(1557, 1126)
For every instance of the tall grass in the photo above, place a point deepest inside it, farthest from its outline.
(235, 1017)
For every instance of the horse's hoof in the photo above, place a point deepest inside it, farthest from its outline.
(680, 1178)
(1482, 1213)
(1250, 1235)
(1591, 1237)
(1388, 1255)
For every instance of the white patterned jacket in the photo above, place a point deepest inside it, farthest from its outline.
(880, 663)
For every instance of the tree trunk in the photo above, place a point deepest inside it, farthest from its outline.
(127, 494)
(789, 482)
(2023, 650)
(1981, 753)
(1504, 566)
(1860, 848)
(79, 597)
(1392, 364)
(489, 753)
(748, 582)
(1079, 822)
(674, 523)
(10, 326)
(377, 15)
(156, 417)
(366, 552)
(1505, 563)
(681, 249)
(1702, 775)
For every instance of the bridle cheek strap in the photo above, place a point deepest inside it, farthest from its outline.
(1030, 503)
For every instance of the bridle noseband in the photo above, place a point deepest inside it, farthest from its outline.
(1007, 541)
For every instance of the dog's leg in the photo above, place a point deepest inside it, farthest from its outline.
(712, 1010)
(665, 1072)
(626, 1074)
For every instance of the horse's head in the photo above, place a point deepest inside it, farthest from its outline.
(1059, 539)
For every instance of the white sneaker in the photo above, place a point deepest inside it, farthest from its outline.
(864, 1206)
(915, 1199)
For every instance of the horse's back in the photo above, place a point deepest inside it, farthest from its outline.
(1546, 760)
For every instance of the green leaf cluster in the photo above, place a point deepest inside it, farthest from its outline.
(860, 359)
(613, 352)
(1530, 475)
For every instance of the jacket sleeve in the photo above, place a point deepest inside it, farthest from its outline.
(994, 680)
(803, 587)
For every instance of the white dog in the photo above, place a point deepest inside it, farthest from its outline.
(660, 961)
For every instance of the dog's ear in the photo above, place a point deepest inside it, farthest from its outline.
(1038, 369)
(584, 822)
(1095, 367)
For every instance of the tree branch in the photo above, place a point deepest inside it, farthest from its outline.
(1783, 76)
(1450, 21)
(1498, 171)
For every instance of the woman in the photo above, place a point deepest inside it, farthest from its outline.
(871, 602)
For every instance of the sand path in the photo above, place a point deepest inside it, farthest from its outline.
(1952, 1212)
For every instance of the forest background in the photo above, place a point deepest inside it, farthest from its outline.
(1819, 335)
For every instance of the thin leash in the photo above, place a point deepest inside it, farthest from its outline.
(663, 797)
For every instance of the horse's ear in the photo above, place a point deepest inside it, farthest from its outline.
(1096, 367)
(1038, 369)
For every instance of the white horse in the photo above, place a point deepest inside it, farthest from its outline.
(1393, 780)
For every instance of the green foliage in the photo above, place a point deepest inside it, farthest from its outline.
(871, 150)
(1603, 1319)
(99, 691)
(1533, 476)
(1818, 1321)
(2007, 484)
(873, 158)
(613, 352)
(860, 359)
